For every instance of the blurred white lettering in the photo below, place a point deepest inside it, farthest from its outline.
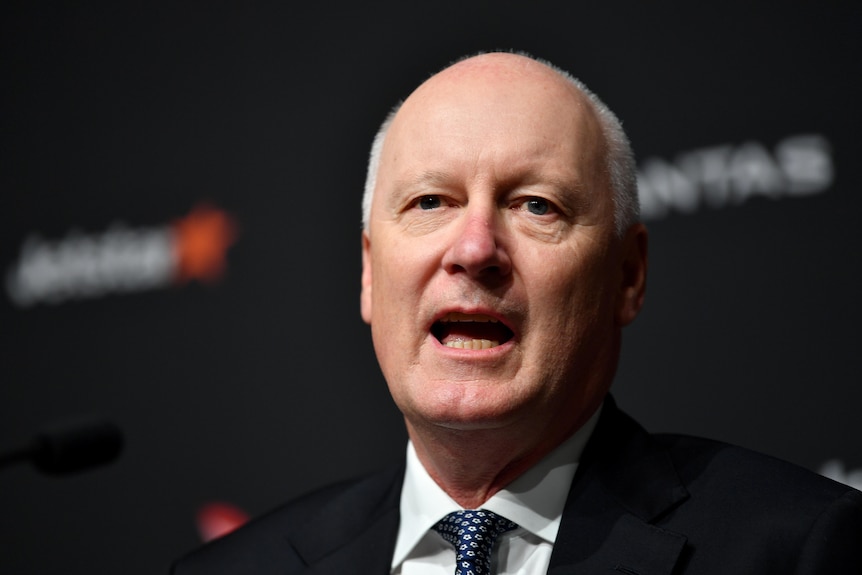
(122, 259)
(728, 175)
(85, 266)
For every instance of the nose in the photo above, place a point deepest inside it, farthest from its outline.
(476, 248)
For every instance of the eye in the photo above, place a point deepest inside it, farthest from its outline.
(537, 206)
(428, 202)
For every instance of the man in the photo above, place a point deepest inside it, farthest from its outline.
(502, 257)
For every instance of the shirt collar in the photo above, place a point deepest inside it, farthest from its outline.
(534, 500)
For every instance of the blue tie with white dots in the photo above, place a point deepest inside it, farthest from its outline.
(473, 533)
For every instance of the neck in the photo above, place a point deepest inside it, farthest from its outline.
(472, 465)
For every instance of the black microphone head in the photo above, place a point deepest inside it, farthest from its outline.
(75, 447)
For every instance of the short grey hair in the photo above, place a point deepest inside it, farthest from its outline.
(620, 159)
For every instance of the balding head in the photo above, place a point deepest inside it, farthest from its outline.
(616, 161)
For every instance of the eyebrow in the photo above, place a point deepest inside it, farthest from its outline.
(404, 187)
(574, 194)
(441, 179)
(429, 178)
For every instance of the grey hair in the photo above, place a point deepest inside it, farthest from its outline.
(374, 165)
(620, 160)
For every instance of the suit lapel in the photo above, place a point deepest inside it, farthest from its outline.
(629, 546)
(625, 482)
(355, 532)
(368, 553)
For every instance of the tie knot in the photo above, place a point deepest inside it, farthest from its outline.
(473, 533)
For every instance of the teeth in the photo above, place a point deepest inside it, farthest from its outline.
(473, 344)
(463, 343)
(458, 316)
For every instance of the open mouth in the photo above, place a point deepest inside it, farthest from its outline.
(470, 331)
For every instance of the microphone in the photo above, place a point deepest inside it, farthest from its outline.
(70, 447)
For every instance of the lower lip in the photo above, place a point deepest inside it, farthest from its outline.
(465, 353)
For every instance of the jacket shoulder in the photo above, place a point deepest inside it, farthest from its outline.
(710, 466)
(768, 510)
(737, 510)
(266, 544)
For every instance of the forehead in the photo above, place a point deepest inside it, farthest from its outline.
(510, 113)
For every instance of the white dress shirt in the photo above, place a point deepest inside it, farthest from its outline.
(534, 501)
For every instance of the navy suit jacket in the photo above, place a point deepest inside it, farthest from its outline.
(639, 504)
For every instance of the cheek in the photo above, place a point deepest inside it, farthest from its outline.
(390, 273)
(403, 272)
(575, 295)
(397, 293)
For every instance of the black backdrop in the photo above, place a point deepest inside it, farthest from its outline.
(119, 119)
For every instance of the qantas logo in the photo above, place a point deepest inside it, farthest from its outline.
(122, 259)
(728, 175)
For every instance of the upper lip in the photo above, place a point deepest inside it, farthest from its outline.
(473, 314)
(470, 314)
(461, 316)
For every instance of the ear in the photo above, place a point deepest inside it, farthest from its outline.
(634, 272)
(365, 295)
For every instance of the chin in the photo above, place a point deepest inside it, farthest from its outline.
(470, 411)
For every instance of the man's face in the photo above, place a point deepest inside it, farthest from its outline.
(492, 276)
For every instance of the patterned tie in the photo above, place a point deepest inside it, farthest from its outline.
(473, 534)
